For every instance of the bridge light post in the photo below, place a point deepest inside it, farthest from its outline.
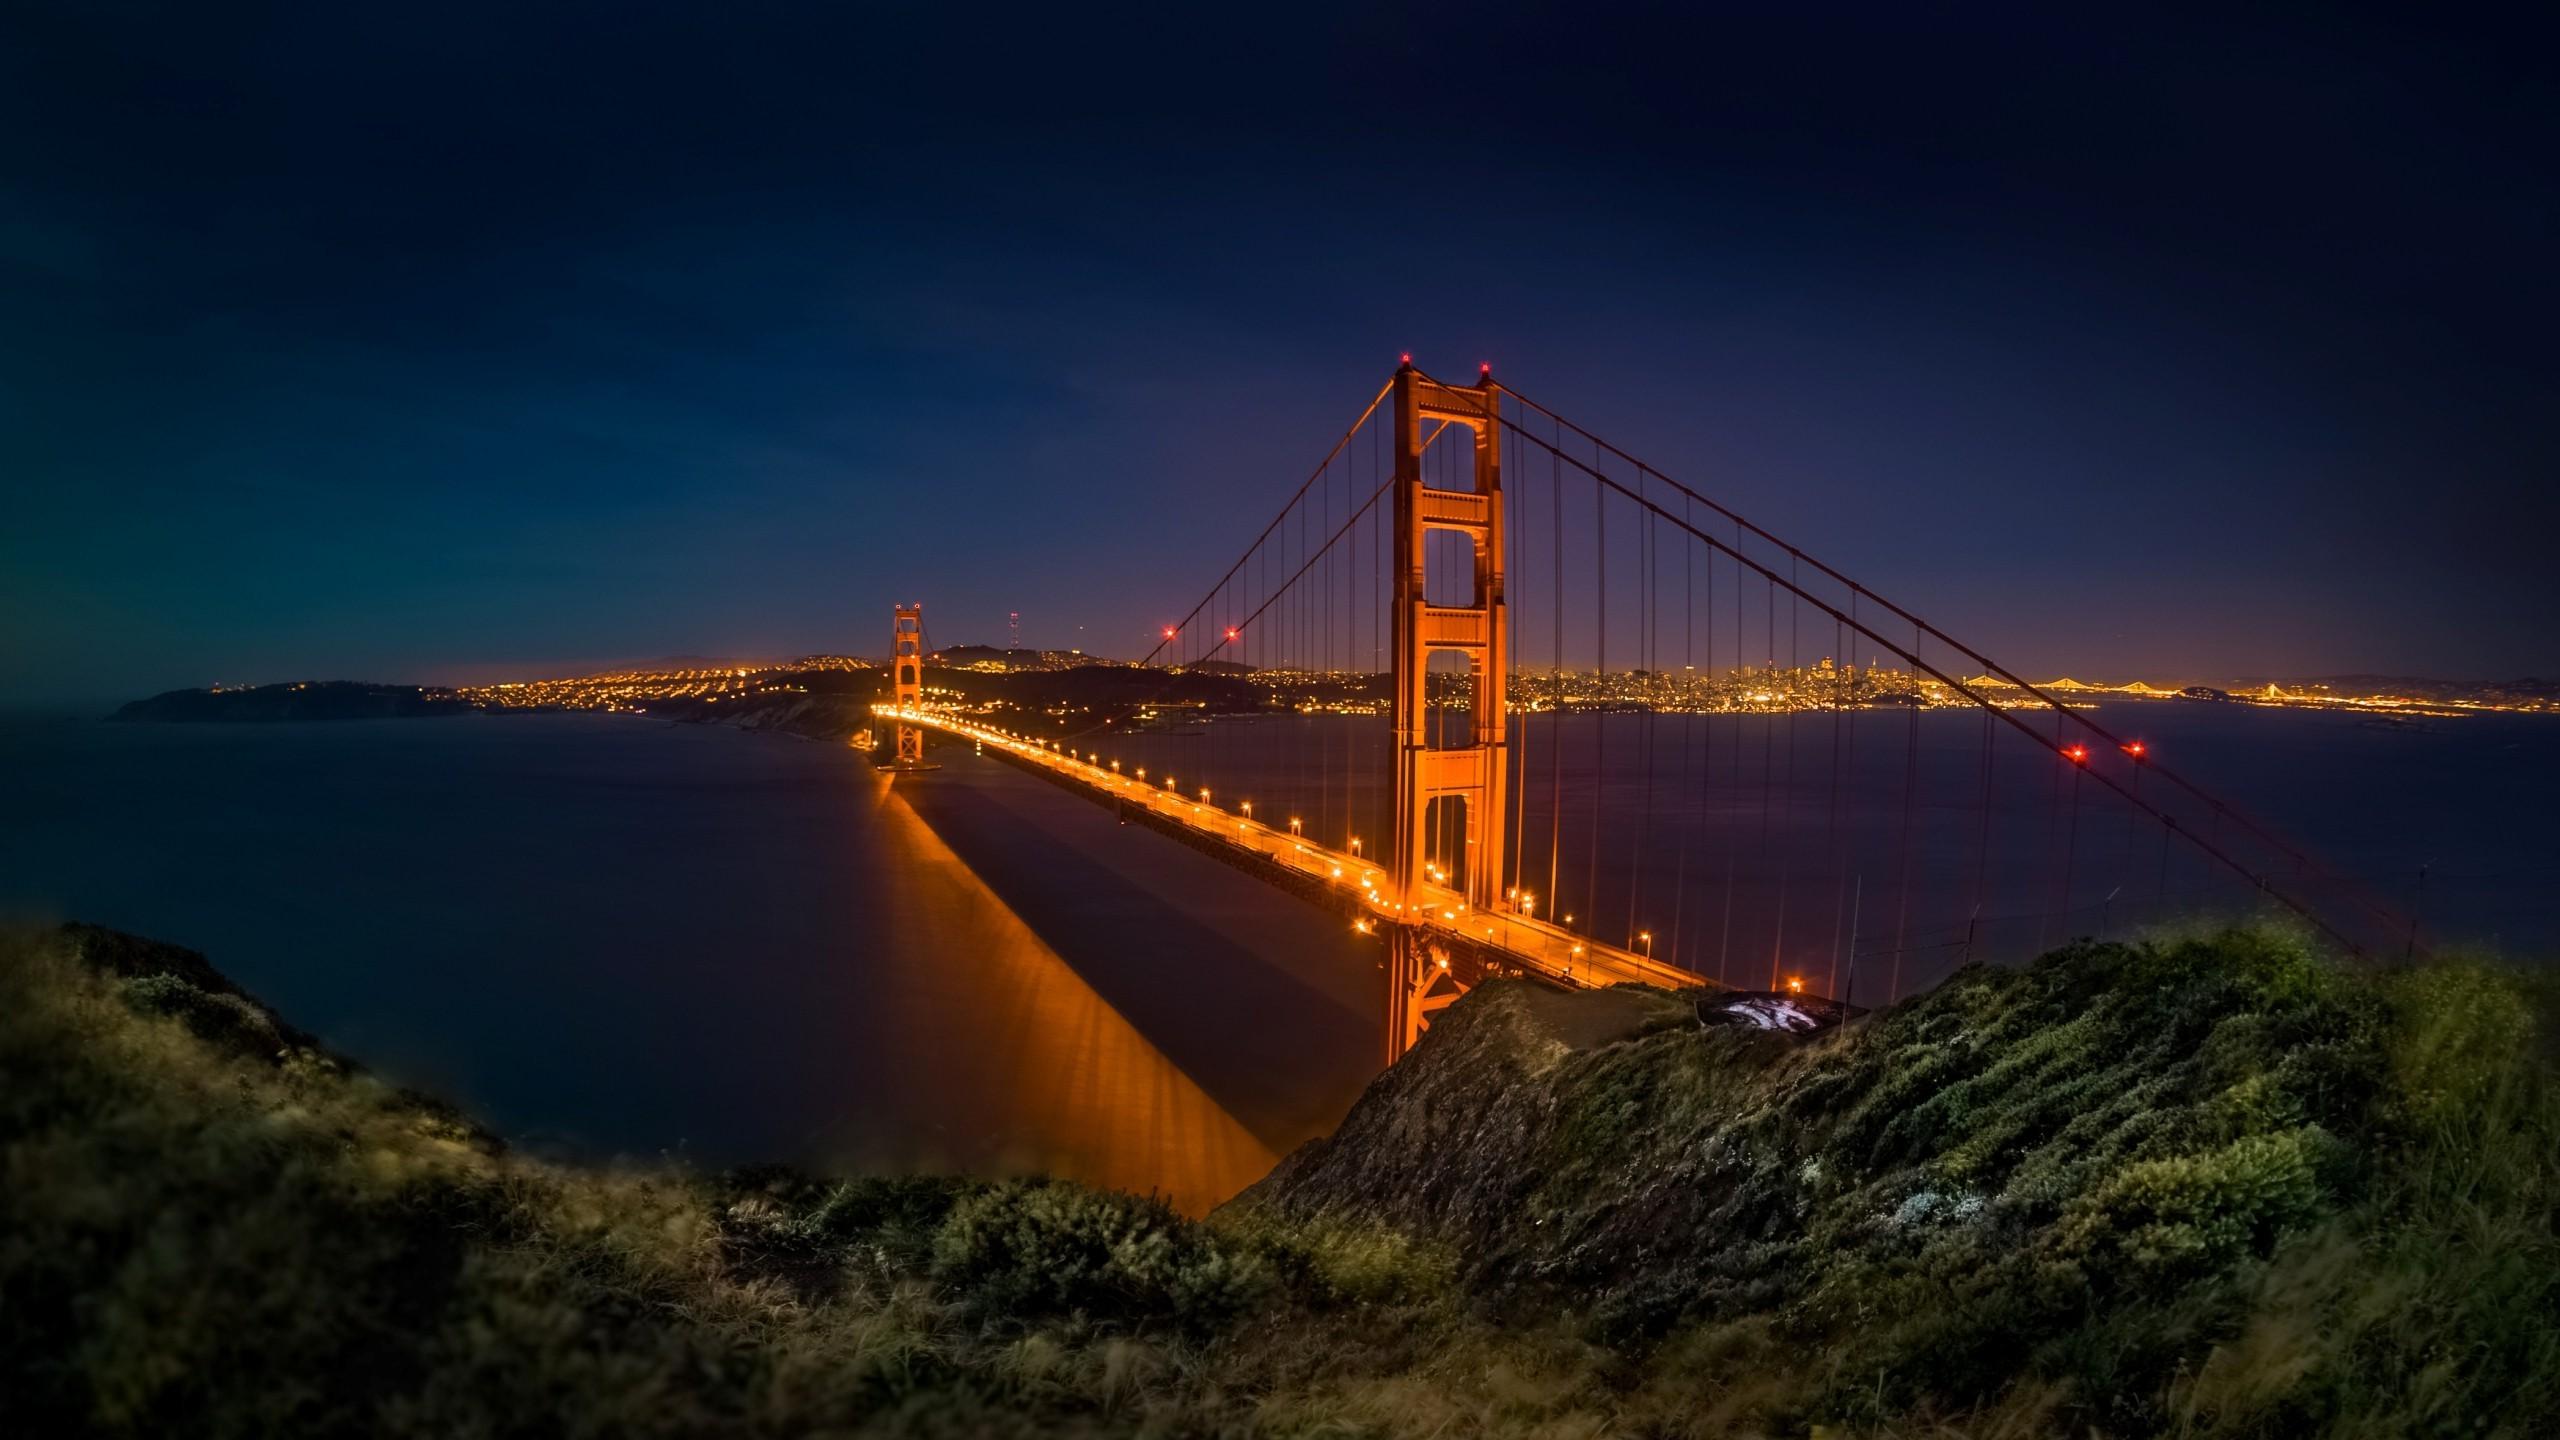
(1295, 826)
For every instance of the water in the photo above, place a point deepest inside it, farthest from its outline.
(610, 935)
(613, 936)
(1874, 844)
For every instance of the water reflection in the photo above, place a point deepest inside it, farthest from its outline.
(1035, 1070)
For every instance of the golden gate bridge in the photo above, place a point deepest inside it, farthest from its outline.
(1467, 564)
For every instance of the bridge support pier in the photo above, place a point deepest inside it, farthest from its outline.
(1471, 773)
(1419, 985)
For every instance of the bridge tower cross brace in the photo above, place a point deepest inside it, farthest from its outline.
(1469, 774)
(906, 678)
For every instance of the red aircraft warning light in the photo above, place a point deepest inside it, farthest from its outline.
(2076, 754)
(1231, 632)
(2136, 749)
(1168, 632)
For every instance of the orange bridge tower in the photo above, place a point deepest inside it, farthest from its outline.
(906, 678)
(1465, 773)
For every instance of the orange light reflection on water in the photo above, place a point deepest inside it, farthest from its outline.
(1058, 1081)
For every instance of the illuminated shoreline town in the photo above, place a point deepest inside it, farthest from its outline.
(976, 678)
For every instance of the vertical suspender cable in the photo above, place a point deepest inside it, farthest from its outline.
(1910, 796)
(1646, 662)
(1834, 840)
(1555, 691)
(1506, 863)
(1600, 715)
(1687, 693)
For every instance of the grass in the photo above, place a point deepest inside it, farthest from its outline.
(2204, 1186)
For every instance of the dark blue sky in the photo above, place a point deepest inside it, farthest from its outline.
(446, 341)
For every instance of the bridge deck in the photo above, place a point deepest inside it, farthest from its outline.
(1359, 885)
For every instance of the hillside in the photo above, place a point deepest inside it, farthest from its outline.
(2207, 1186)
(300, 700)
(2093, 1174)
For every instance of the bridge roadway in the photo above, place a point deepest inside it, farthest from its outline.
(1491, 939)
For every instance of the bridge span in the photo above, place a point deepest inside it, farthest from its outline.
(1465, 943)
(1451, 525)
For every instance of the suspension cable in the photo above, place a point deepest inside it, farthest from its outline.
(1989, 666)
(2210, 847)
(1366, 411)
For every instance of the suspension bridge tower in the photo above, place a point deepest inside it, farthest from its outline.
(906, 680)
(1464, 772)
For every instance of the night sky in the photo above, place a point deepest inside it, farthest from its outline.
(439, 342)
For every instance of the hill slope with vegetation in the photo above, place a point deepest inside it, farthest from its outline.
(2204, 1186)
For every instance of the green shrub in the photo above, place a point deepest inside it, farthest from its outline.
(1333, 1263)
(1036, 1248)
(226, 1020)
(2181, 1215)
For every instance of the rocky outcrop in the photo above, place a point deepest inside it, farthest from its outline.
(2004, 1139)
